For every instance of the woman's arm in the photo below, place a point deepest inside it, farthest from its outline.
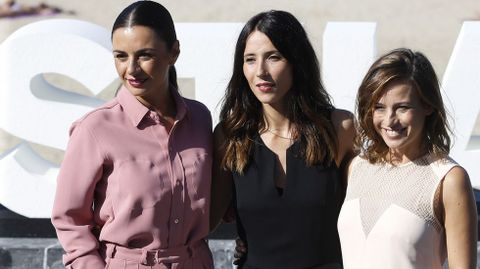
(460, 220)
(72, 213)
(345, 129)
(222, 181)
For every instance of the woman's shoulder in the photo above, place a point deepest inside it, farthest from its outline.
(356, 163)
(96, 117)
(455, 176)
(457, 188)
(195, 106)
(441, 165)
(341, 114)
(343, 124)
(359, 160)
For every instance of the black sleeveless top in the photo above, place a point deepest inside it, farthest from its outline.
(295, 229)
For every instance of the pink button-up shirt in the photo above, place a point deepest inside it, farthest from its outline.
(140, 187)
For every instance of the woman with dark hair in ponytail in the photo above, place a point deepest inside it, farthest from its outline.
(134, 186)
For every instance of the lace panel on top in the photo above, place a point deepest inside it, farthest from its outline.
(378, 186)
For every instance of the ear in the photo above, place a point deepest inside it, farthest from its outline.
(174, 52)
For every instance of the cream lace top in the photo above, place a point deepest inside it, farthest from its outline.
(388, 220)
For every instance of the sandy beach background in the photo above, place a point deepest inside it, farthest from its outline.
(430, 26)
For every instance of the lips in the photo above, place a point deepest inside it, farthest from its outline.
(393, 133)
(136, 82)
(265, 86)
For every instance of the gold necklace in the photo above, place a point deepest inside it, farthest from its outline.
(277, 135)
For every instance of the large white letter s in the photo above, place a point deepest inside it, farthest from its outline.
(36, 111)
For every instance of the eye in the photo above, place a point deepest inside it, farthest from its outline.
(378, 107)
(249, 60)
(145, 56)
(275, 57)
(403, 108)
(120, 56)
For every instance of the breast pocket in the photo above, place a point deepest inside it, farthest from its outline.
(139, 184)
(198, 171)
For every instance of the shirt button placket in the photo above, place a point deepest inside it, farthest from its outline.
(177, 201)
(177, 213)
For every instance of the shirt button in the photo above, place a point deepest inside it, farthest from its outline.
(176, 221)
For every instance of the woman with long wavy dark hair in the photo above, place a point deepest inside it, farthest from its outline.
(279, 147)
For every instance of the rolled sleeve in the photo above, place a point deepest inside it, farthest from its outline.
(72, 213)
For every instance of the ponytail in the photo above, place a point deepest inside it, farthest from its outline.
(172, 76)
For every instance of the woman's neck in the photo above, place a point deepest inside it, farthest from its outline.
(398, 157)
(163, 103)
(276, 121)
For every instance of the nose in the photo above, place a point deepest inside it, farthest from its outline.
(262, 69)
(391, 117)
(132, 67)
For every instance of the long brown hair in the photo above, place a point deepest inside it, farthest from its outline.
(413, 68)
(308, 104)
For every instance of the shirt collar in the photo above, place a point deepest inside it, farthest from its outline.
(136, 111)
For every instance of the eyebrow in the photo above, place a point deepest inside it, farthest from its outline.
(270, 52)
(395, 104)
(136, 52)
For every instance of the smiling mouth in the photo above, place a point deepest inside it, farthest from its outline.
(136, 82)
(394, 132)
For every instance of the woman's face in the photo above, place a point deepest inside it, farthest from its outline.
(142, 61)
(268, 73)
(399, 118)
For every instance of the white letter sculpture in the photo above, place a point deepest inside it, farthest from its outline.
(461, 83)
(36, 111)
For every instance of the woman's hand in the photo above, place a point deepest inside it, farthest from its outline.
(240, 251)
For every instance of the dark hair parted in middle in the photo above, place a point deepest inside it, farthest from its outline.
(154, 16)
(307, 103)
(414, 69)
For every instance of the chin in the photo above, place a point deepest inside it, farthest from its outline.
(136, 91)
(394, 145)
